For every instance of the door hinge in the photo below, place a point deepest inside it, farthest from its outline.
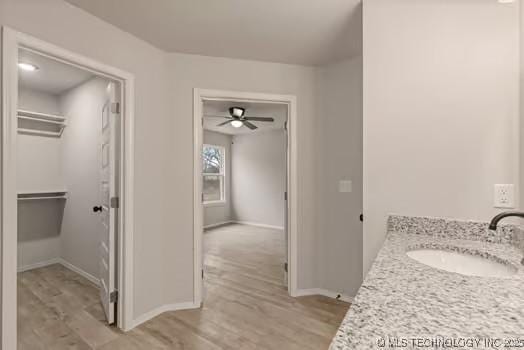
(202, 273)
(113, 296)
(285, 267)
(115, 107)
(285, 125)
(115, 202)
(285, 196)
(361, 217)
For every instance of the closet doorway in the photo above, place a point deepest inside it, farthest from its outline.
(66, 191)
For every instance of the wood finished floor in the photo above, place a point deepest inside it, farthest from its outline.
(247, 306)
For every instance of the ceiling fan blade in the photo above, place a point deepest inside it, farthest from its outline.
(217, 116)
(260, 119)
(226, 122)
(249, 125)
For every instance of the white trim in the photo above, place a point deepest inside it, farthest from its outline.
(9, 196)
(207, 227)
(39, 265)
(273, 227)
(65, 264)
(86, 275)
(161, 309)
(324, 292)
(12, 40)
(230, 222)
(199, 95)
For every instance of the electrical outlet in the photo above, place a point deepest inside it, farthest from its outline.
(504, 196)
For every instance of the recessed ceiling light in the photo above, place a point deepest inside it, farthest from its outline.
(236, 123)
(506, 1)
(27, 66)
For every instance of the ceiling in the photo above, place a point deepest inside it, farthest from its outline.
(287, 31)
(52, 77)
(220, 108)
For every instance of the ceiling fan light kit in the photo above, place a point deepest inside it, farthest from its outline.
(236, 123)
(237, 119)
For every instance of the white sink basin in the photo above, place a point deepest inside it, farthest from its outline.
(464, 264)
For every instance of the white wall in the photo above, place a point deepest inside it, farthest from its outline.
(440, 109)
(219, 213)
(39, 169)
(80, 234)
(339, 154)
(521, 105)
(259, 178)
(34, 100)
(39, 154)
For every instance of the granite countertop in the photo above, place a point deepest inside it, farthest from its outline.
(403, 303)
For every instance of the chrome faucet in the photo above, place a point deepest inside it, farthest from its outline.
(494, 222)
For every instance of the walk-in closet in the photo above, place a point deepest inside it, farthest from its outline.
(66, 155)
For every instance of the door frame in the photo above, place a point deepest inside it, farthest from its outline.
(11, 42)
(201, 95)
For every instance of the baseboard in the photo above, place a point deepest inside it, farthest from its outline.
(207, 227)
(39, 265)
(161, 309)
(257, 225)
(65, 264)
(79, 271)
(324, 292)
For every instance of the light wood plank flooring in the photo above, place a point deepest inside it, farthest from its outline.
(246, 307)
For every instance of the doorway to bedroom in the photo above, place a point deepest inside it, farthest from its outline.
(245, 190)
(244, 177)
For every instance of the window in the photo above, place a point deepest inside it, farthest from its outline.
(213, 167)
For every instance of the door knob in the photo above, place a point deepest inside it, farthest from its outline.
(99, 208)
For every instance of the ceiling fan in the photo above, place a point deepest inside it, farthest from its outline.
(237, 118)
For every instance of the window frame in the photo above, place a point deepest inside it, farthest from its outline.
(222, 173)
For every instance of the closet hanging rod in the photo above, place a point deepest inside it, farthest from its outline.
(41, 132)
(41, 120)
(41, 193)
(41, 198)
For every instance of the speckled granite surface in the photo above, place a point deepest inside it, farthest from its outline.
(402, 301)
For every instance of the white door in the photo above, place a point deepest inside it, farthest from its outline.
(109, 207)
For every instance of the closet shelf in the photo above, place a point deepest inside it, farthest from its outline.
(55, 120)
(42, 195)
(41, 116)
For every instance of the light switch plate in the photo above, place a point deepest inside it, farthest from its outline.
(345, 186)
(504, 196)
